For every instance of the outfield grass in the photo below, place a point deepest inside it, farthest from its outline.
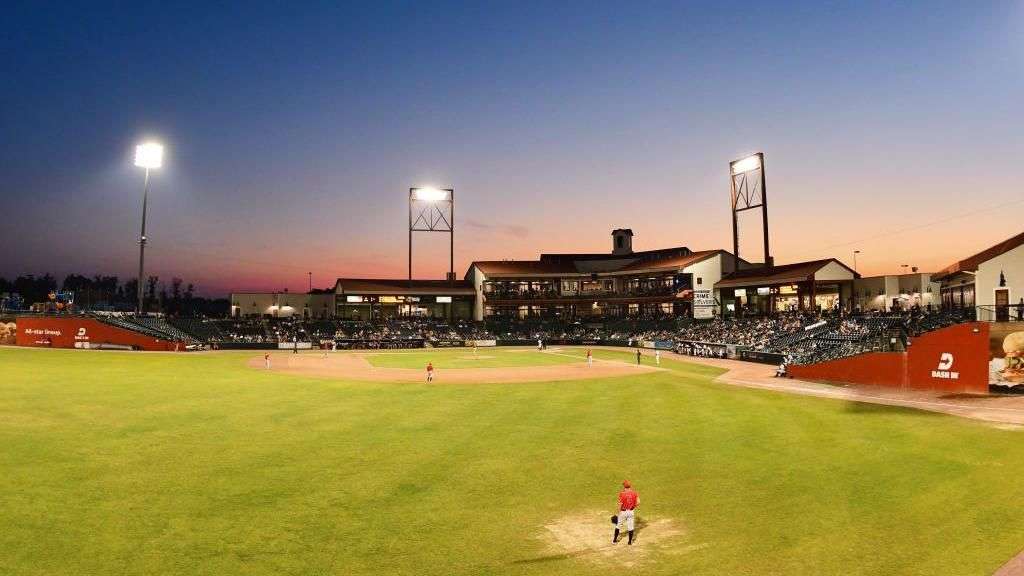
(128, 463)
(463, 358)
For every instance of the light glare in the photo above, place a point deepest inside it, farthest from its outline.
(429, 194)
(746, 164)
(149, 155)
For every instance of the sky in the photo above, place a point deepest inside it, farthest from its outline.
(293, 132)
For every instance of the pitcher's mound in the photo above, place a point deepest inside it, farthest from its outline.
(588, 536)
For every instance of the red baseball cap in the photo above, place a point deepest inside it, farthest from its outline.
(625, 483)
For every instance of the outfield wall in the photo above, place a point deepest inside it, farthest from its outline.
(85, 333)
(953, 359)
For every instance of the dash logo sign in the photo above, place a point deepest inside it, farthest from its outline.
(943, 372)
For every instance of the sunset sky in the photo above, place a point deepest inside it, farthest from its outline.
(294, 130)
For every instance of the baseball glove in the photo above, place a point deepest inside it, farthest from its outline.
(615, 519)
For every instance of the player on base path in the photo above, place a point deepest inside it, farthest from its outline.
(657, 357)
(590, 358)
(266, 360)
(628, 501)
(430, 371)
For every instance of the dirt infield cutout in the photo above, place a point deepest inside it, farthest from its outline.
(354, 366)
(588, 536)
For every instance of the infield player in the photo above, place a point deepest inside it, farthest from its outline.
(266, 360)
(590, 358)
(430, 371)
(657, 357)
(540, 344)
(628, 501)
(638, 356)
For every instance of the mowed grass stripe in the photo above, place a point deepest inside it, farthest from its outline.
(196, 464)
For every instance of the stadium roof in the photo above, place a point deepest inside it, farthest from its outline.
(392, 286)
(971, 263)
(562, 264)
(784, 274)
(675, 262)
(525, 267)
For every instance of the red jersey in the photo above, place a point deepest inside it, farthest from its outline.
(430, 367)
(628, 499)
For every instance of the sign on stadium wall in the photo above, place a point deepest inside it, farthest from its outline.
(481, 343)
(294, 345)
(703, 304)
(1006, 350)
(84, 333)
(953, 359)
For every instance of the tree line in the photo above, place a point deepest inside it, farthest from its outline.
(109, 293)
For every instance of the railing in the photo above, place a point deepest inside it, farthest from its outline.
(1007, 313)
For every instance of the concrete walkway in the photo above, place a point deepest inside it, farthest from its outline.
(1004, 411)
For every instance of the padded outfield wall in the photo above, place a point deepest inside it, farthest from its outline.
(84, 333)
(953, 359)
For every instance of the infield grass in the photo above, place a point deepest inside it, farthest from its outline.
(130, 463)
(495, 357)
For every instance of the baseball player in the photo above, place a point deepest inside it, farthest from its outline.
(540, 344)
(474, 350)
(628, 501)
(266, 360)
(430, 371)
(637, 356)
(657, 357)
(590, 358)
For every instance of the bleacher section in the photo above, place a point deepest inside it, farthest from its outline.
(796, 338)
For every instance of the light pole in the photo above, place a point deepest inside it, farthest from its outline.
(433, 210)
(148, 156)
(749, 192)
(855, 252)
(310, 282)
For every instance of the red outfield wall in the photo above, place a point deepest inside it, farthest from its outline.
(953, 359)
(81, 332)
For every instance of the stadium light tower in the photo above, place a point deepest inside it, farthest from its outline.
(433, 210)
(149, 156)
(746, 176)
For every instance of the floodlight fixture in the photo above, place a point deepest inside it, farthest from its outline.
(149, 155)
(430, 194)
(748, 164)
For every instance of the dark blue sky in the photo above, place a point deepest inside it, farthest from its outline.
(293, 131)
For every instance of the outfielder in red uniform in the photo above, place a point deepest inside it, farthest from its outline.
(430, 371)
(628, 501)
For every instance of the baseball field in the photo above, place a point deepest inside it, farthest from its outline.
(206, 463)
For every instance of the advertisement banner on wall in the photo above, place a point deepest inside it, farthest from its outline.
(703, 304)
(294, 345)
(83, 332)
(1006, 349)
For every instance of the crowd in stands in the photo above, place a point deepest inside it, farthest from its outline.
(796, 337)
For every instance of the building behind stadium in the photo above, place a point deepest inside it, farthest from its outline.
(677, 281)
